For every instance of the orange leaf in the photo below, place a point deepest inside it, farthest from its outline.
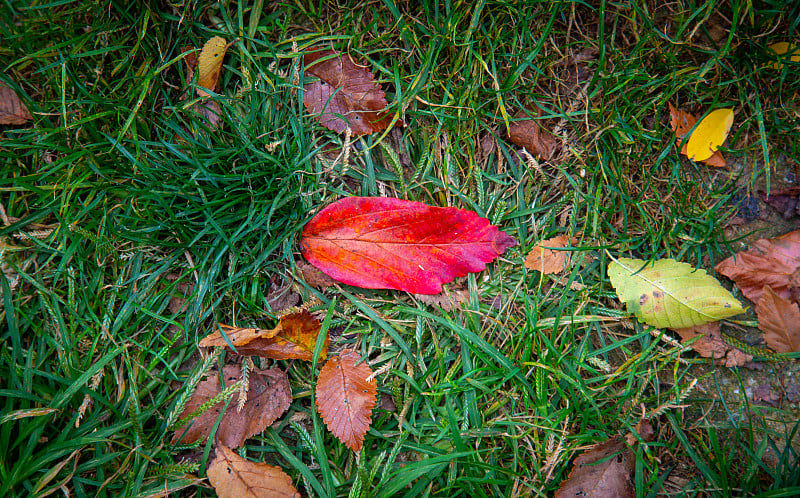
(770, 262)
(268, 396)
(779, 319)
(235, 477)
(711, 345)
(681, 123)
(12, 110)
(546, 260)
(526, 132)
(345, 398)
(296, 340)
(387, 243)
(345, 94)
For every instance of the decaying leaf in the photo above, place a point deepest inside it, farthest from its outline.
(784, 51)
(386, 243)
(711, 345)
(12, 110)
(682, 122)
(448, 299)
(345, 95)
(295, 340)
(604, 471)
(786, 201)
(770, 262)
(235, 477)
(546, 258)
(345, 398)
(666, 293)
(779, 319)
(526, 132)
(237, 335)
(268, 397)
(313, 276)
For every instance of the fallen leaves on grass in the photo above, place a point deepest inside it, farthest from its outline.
(545, 256)
(235, 477)
(682, 122)
(12, 110)
(345, 398)
(666, 293)
(781, 50)
(770, 262)
(786, 201)
(293, 338)
(711, 345)
(313, 276)
(448, 299)
(386, 243)
(604, 471)
(779, 319)
(526, 132)
(268, 397)
(209, 69)
(345, 95)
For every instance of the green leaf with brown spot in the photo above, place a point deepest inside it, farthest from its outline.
(667, 293)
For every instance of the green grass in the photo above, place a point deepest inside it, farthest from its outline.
(129, 202)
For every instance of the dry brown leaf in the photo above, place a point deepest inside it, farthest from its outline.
(549, 261)
(779, 319)
(681, 123)
(235, 477)
(786, 201)
(295, 340)
(345, 398)
(711, 345)
(526, 132)
(448, 300)
(268, 397)
(604, 471)
(313, 276)
(12, 110)
(770, 262)
(345, 95)
(237, 335)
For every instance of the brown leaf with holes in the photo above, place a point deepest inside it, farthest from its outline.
(268, 397)
(345, 398)
(779, 319)
(770, 262)
(346, 94)
(605, 469)
(295, 340)
(526, 132)
(12, 110)
(545, 259)
(711, 345)
(786, 201)
(235, 477)
(681, 123)
(448, 299)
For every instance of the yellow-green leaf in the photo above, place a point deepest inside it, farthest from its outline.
(709, 134)
(666, 293)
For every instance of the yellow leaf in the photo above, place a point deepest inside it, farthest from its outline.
(209, 63)
(709, 134)
(780, 49)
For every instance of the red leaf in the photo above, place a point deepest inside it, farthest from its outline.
(773, 262)
(779, 319)
(345, 398)
(386, 243)
(268, 396)
(345, 94)
(787, 201)
(235, 477)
